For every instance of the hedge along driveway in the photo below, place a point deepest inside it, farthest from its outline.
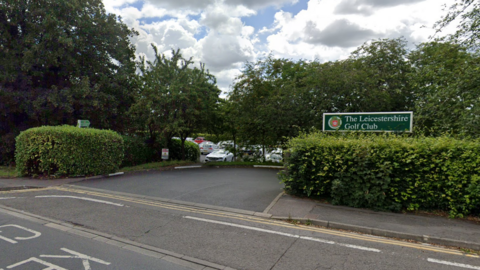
(68, 151)
(387, 172)
(240, 188)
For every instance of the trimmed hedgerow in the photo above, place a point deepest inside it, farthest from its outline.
(67, 151)
(136, 152)
(386, 172)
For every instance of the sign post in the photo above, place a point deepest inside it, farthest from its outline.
(83, 123)
(370, 121)
(164, 153)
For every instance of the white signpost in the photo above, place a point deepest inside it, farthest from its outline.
(165, 153)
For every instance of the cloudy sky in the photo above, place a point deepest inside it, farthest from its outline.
(224, 34)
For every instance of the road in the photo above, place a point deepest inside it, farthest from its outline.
(239, 188)
(236, 240)
(29, 245)
(216, 216)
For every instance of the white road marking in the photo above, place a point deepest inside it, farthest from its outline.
(360, 247)
(6, 198)
(35, 233)
(188, 167)
(454, 264)
(85, 258)
(80, 198)
(281, 233)
(33, 259)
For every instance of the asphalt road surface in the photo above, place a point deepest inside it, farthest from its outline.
(28, 245)
(243, 188)
(221, 237)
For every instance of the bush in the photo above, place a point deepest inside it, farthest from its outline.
(136, 151)
(192, 151)
(386, 172)
(67, 151)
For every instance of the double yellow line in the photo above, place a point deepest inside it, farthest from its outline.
(257, 220)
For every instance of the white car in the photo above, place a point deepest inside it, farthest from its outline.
(219, 155)
(207, 147)
(225, 144)
(274, 156)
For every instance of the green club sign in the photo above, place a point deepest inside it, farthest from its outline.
(372, 121)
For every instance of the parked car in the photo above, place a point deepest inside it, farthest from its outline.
(219, 155)
(207, 147)
(225, 144)
(275, 155)
(199, 140)
(189, 139)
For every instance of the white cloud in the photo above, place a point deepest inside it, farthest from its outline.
(212, 32)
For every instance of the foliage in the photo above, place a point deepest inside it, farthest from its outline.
(60, 61)
(7, 172)
(467, 14)
(192, 151)
(386, 172)
(445, 78)
(174, 99)
(67, 151)
(136, 151)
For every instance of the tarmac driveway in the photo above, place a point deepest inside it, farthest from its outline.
(242, 188)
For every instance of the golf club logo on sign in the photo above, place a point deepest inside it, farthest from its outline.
(335, 122)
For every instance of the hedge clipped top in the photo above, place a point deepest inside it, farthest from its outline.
(387, 172)
(68, 151)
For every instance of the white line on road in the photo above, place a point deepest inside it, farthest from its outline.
(80, 198)
(281, 233)
(188, 167)
(454, 264)
(6, 198)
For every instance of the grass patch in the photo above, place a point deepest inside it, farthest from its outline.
(7, 172)
(156, 165)
(243, 163)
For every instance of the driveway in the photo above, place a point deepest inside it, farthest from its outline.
(241, 188)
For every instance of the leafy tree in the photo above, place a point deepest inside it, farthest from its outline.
(267, 101)
(62, 60)
(467, 14)
(174, 98)
(382, 83)
(445, 78)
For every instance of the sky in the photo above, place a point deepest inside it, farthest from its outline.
(224, 34)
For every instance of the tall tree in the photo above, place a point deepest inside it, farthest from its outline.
(466, 13)
(446, 82)
(62, 60)
(174, 98)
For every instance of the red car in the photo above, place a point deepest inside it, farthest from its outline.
(199, 140)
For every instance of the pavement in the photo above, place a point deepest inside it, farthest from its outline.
(436, 230)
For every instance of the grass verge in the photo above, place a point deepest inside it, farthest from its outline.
(242, 163)
(7, 172)
(156, 165)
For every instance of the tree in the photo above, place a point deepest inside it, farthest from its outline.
(174, 98)
(62, 60)
(445, 78)
(266, 101)
(467, 14)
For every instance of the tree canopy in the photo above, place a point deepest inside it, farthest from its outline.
(62, 60)
(174, 98)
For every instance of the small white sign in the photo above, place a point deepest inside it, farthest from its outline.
(165, 153)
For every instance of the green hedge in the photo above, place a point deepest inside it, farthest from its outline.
(137, 152)
(67, 151)
(192, 151)
(386, 172)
